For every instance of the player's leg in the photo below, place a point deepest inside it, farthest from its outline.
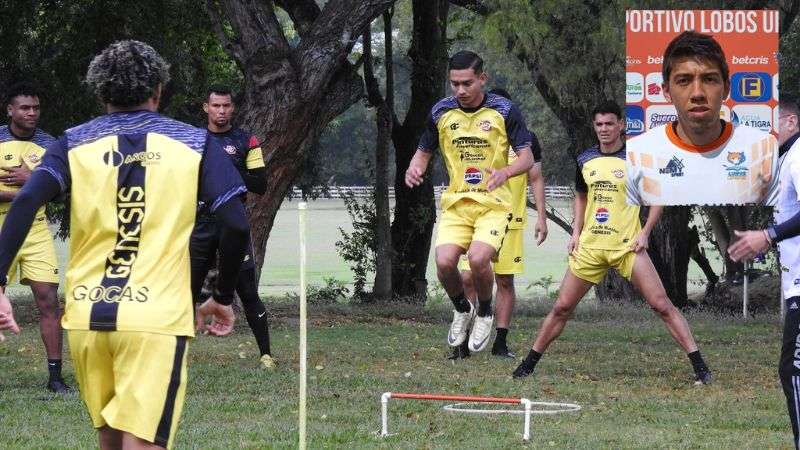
(644, 277)
(506, 297)
(256, 313)
(202, 254)
(110, 439)
(452, 240)
(46, 296)
(789, 365)
(480, 256)
(584, 271)
(462, 351)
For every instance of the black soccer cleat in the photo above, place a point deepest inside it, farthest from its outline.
(522, 371)
(703, 377)
(503, 352)
(58, 386)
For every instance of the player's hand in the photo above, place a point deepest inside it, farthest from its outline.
(414, 176)
(641, 242)
(7, 321)
(572, 245)
(221, 316)
(15, 176)
(496, 178)
(540, 230)
(748, 244)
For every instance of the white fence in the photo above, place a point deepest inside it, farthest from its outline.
(551, 192)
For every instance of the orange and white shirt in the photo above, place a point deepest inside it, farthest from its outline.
(739, 167)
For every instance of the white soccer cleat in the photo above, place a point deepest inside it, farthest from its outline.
(458, 328)
(481, 331)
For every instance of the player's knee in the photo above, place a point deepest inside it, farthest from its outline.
(479, 261)
(445, 261)
(562, 311)
(505, 283)
(662, 306)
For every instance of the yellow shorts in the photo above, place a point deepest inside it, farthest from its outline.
(467, 221)
(510, 260)
(36, 259)
(592, 264)
(132, 381)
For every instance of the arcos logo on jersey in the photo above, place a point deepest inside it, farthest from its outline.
(473, 175)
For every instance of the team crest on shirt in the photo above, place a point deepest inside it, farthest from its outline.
(618, 173)
(32, 158)
(485, 125)
(736, 170)
(230, 149)
(473, 175)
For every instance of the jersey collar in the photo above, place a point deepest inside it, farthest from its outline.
(672, 135)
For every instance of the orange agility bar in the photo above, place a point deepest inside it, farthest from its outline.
(456, 398)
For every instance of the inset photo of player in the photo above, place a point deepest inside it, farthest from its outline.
(701, 97)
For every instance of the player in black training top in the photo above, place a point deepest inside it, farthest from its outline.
(245, 153)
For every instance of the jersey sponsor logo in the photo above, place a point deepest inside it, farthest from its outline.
(230, 149)
(454, 126)
(473, 175)
(110, 294)
(470, 142)
(468, 156)
(736, 170)
(619, 173)
(485, 125)
(115, 158)
(130, 213)
(600, 198)
(674, 167)
(634, 120)
(601, 215)
(751, 87)
(660, 115)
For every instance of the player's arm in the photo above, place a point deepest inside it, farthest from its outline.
(7, 197)
(255, 178)
(536, 182)
(642, 240)
(522, 164)
(523, 142)
(13, 176)
(428, 143)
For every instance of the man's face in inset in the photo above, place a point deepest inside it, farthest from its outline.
(696, 88)
(24, 112)
(607, 127)
(219, 109)
(467, 86)
(787, 126)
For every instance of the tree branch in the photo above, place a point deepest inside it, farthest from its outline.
(231, 46)
(476, 6)
(259, 35)
(302, 12)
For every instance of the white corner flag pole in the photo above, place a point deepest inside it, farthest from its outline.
(301, 209)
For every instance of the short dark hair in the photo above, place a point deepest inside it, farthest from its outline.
(788, 104)
(219, 89)
(694, 45)
(466, 59)
(501, 92)
(126, 73)
(23, 88)
(607, 107)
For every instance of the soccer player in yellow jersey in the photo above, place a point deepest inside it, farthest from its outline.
(473, 130)
(135, 178)
(607, 234)
(511, 255)
(22, 146)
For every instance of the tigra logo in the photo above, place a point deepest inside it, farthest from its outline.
(114, 158)
(110, 294)
(130, 213)
(473, 175)
(601, 215)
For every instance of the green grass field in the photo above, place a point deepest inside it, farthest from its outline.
(618, 362)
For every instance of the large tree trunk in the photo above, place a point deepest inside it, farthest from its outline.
(382, 288)
(669, 251)
(291, 91)
(415, 210)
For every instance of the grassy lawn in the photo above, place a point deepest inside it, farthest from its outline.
(618, 362)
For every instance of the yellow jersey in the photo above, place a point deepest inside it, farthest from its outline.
(473, 140)
(14, 151)
(135, 179)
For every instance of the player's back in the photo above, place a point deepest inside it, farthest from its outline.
(134, 182)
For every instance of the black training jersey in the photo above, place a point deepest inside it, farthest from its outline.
(135, 179)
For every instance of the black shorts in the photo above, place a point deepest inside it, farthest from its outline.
(203, 248)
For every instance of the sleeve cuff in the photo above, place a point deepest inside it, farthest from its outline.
(222, 299)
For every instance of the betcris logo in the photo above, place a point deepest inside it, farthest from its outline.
(473, 175)
(751, 87)
(755, 116)
(634, 120)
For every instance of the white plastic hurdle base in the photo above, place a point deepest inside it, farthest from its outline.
(526, 411)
